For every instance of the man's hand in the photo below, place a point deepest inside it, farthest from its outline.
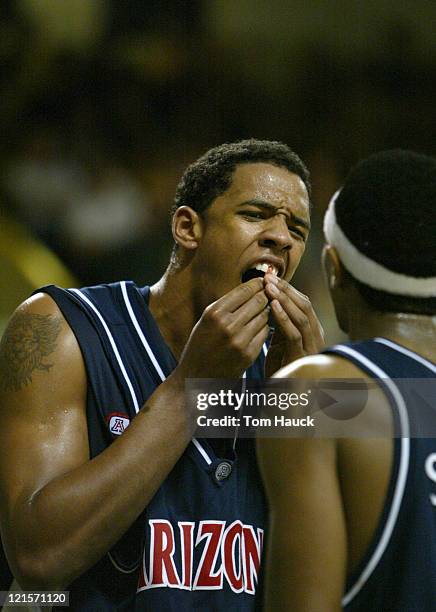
(60, 510)
(229, 335)
(298, 331)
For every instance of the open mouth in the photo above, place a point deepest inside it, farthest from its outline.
(259, 270)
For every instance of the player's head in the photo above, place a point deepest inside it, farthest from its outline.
(381, 232)
(211, 175)
(221, 220)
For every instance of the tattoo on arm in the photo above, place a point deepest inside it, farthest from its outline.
(28, 340)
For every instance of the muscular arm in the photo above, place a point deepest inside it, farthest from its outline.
(306, 556)
(326, 496)
(60, 511)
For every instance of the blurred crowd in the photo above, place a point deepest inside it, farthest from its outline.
(104, 103)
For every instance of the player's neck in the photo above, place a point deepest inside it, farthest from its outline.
(413, 331)
(172, 306)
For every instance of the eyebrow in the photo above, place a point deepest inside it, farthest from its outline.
(268, 206)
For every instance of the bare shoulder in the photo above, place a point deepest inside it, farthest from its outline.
(43, 390)
(37, 344)
(361, 407)
(321, 366)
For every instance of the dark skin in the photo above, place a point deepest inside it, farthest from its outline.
(62, 511)
(265, 212)
(333, 489)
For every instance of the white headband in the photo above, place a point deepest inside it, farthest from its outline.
(368, 271)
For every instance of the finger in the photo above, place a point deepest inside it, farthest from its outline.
(241, 341)
(290, 330)
(245, 313)
(249, 331)
(241, 294)
(300, 310)
(301, 300)
(255, 345)
(286, 313)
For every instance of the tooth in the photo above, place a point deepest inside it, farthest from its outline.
(263, 267)
(267, 267)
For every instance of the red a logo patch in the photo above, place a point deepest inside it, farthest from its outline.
(118, 423)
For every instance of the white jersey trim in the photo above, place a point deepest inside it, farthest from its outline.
(202, 451)
(403, 470)
(113, 345)
(139, 331)
(409, 353)
(153, 359)
(119, 568)
(129, 385)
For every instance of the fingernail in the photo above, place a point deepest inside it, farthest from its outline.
(272, 278)
(274, 289)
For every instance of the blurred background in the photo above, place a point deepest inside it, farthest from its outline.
(105, 102)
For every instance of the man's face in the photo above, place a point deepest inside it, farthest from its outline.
(263, 217)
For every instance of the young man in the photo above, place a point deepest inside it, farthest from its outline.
(354, 519)
(83, 506)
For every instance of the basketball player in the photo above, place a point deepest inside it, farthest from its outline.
(354, 519)
(181, 521)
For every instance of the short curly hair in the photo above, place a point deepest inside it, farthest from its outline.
(387, 209)
(211, 175)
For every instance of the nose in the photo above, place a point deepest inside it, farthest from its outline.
(276, 234)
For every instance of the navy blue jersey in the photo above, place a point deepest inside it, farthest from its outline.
(198, 543)
(398, 573)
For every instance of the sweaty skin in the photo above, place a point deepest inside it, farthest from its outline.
(26, 346)
(326, 494)
(314, 543)
(61, 511)
(263, 214)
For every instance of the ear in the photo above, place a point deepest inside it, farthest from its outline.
(187, 227)
(333, 268)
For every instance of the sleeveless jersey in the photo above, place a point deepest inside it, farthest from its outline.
(198, 544)
(398, 572)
